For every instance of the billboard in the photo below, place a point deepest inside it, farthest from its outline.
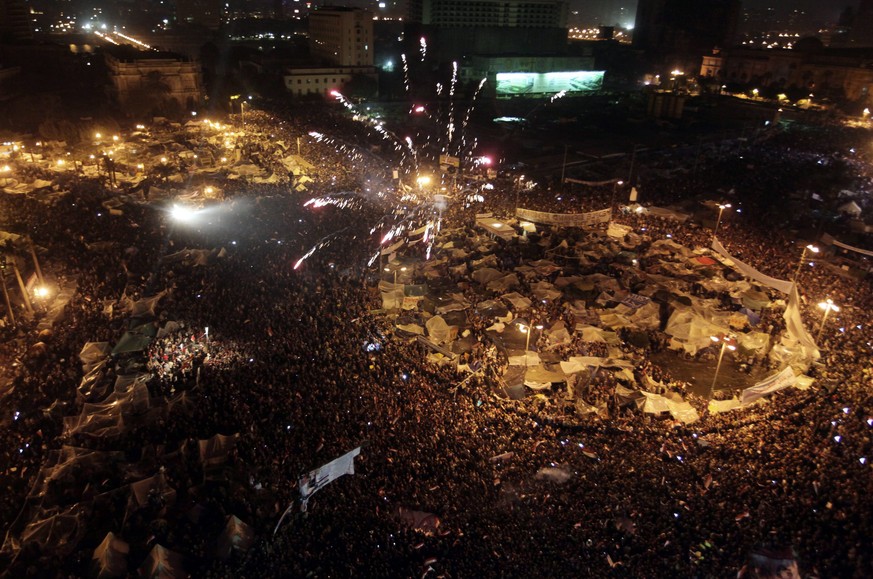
(531, 83)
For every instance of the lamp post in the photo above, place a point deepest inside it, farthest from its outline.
(828, 306)
(10, 315)
(809, 247)
(527, 329)
(388, 269)
(721, 208)
(615, 187)
(727, 342)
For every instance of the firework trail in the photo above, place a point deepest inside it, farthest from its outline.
(557, 95)
(405, 73)
(376, 125)
(323, 242)
(450, 128)
(423, 43)
(347, 200)
(467, 116)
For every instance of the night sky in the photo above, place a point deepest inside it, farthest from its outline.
(827, 11)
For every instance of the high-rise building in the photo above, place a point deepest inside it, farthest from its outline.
(458, 28)
(862, 27)
(206, 13)
(685, 28)
(342, 36)
(14, 21)
(486, 13)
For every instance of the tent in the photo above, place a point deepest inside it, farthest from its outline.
(153, 491)
(427, 523)
(136, 339)
(214, 454)
(161, 563)
(110, 557)
(55, 530)
(850, 208)
(440, 331)
(237, 536)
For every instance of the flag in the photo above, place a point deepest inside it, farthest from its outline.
(319, 478)
(776, 382)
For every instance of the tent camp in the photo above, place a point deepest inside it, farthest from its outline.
(161, 563)
(110, 557)
(237, 536)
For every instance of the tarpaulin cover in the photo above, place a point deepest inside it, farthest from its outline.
(110, 557)
(504, 283)
(486, 274)
(518, 301)
(161, 563)
(237, 536)
(421, 521)
(440, 331)
(216, 450)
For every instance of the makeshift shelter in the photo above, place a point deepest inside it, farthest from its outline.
(154, 491)
(424, 522)
(110, 558)
(161, 563)
(851, 208)
(237, 536)
(56, 530)
(214, 454)
(440, 331)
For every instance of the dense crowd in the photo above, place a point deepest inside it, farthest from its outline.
(289, 368)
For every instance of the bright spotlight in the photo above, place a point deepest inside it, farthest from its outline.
(182, 213)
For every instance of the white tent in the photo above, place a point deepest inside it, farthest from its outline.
(440, 331)
(237, 536)
(161, 563)
(110, 557)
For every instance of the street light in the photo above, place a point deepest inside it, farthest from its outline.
(721, 208)
(388, 269)
(615, 187)
(527, 330)
(726, 342)
(809, 247)
(828, 306)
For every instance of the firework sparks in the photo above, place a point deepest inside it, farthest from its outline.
(557, 95)
(405, 73)
(323, 242)
(469, 112)
(423, 43)
(450, 128)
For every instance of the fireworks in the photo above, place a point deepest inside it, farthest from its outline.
(423, 43)
(405, 73)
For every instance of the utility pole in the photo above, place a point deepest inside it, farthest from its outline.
(35, 262)
(630, 176)
(23, 289)
(564, 167)
(9, 314)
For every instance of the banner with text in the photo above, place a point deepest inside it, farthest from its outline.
(774, 383)
(590, 219)
(319, 478)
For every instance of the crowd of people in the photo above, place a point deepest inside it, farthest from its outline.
(302, 366)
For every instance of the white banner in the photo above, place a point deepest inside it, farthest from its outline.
(750, 272)
(319, 478)
(590, 219)
(852, 248)
(774, 383)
